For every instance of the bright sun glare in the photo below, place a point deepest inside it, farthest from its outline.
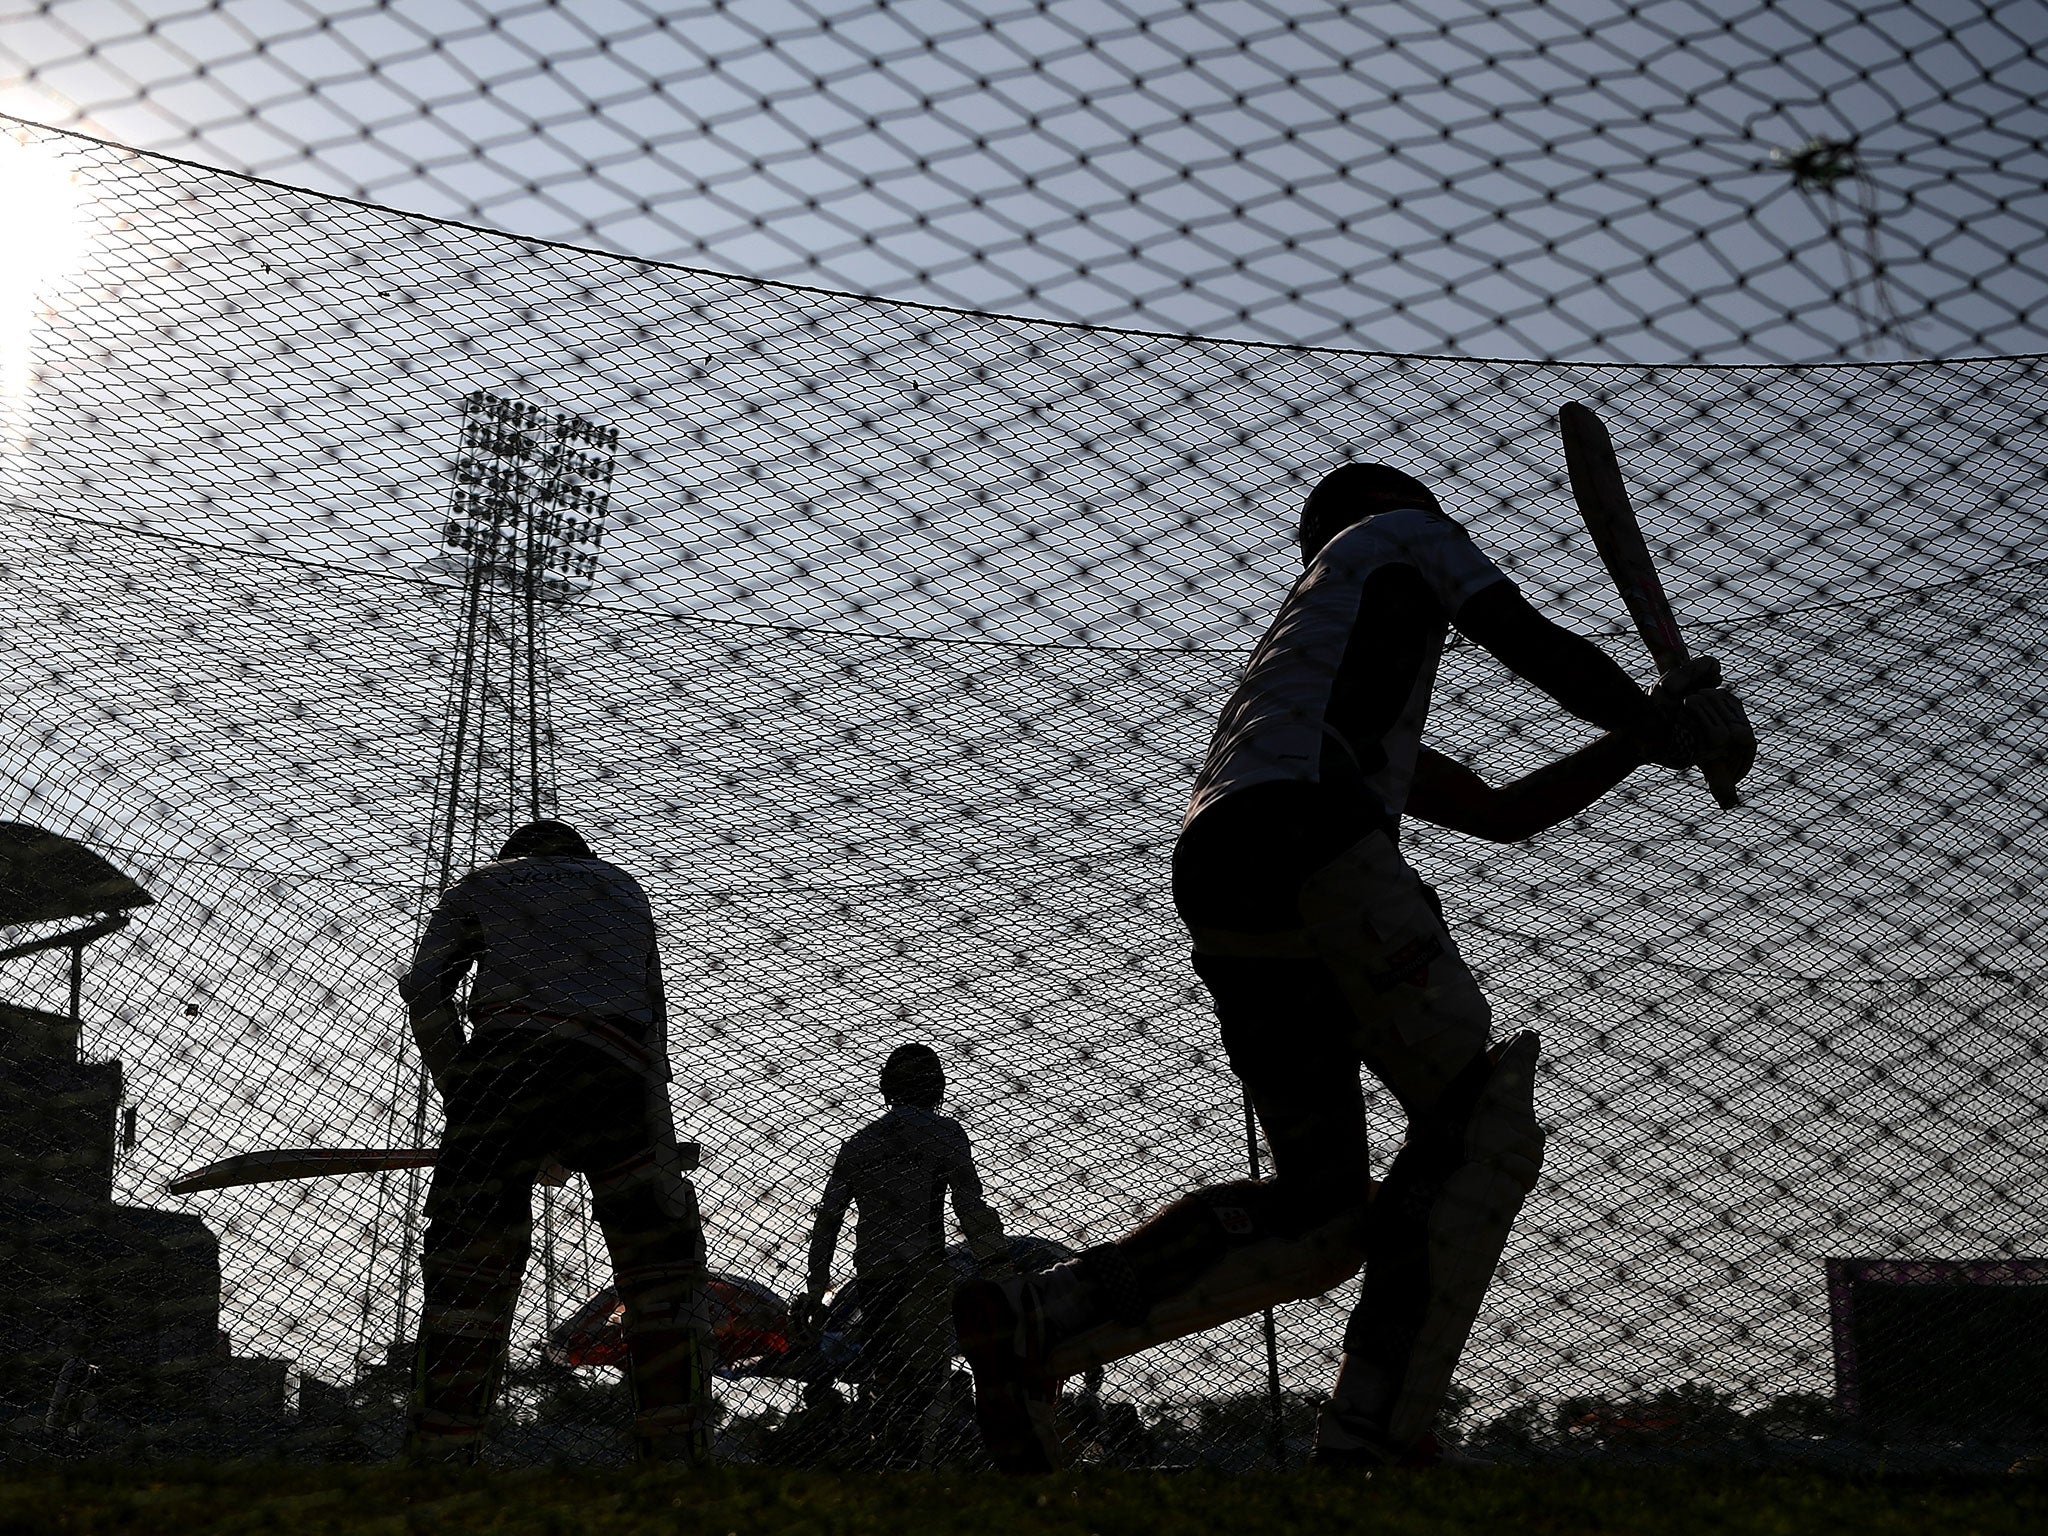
(43, 239)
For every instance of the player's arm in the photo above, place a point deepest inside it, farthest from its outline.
(1486, 606)
(830, 1218)
(1581, 677)
(979, 1222)
(446, 951)
(1448, 794)
(659, 1113)
(1689, 717)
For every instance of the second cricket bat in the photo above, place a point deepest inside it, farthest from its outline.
(285, 1164)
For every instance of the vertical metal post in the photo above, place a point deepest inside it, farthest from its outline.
(77, 982)
(536, 509)
(547, 1250)
(472, 616)
(466, 644)
(1276, 1424)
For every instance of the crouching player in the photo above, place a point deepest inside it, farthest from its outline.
(1323, 951)
(567, 1058)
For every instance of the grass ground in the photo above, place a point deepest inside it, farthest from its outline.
(331, 1501)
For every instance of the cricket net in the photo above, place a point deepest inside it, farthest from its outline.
(1631, 180)
(906, 630)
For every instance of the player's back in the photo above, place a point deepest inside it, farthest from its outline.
(1337, 691)
(897, 1169)
(570, 936)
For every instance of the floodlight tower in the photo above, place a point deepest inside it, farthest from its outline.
(529, 503)
(526, 520)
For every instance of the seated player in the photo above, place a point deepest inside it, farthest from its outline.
(897, 1170)
(567, 1057)
(1323, 952)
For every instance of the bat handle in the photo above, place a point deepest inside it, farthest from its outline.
(1664, 657)
(1725, 793)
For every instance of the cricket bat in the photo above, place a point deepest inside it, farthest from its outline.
(288, 1163)
(1604, 504)
(297, 1163)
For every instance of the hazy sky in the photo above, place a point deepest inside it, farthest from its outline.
(1591, 180)
(916, 622)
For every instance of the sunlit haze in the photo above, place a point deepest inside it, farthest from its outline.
(44, 238)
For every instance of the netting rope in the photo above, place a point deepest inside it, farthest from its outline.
(1641, 180)
(908, 628)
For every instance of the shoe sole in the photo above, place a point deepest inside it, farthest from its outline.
(1004, 1407)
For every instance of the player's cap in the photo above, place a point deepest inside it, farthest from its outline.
(1352, 491)
(912, 1075)
(545, 839)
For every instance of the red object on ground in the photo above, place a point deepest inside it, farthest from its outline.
(748, 1321)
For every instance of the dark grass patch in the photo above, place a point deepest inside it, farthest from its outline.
(386, 1501)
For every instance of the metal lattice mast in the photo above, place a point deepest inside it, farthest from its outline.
(528, 506)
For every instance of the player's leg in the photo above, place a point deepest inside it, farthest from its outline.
(644, 1202)
(479, 1232)
(1441, 1222)
(883, 1289)
(904, 1314)
(1214, 1255)
(928, 1327)
(1444, 1211)
(1236, 1248)
(648, 1209)
(1231, 1250)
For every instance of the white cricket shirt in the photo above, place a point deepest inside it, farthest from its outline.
(1338, 690)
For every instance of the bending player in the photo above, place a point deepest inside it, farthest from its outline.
(567, 1058)
(1323, 951)
(897, 1170)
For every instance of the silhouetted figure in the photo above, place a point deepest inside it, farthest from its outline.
(898, 1170)
(1323, 951)
(566, 1058)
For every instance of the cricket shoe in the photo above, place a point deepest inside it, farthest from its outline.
(1369, 1454)
(440, 1440)
(1002, 1334)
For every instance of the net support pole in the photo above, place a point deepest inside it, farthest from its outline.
(1276, 1424)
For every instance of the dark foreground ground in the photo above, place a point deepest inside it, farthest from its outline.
(751, 1502)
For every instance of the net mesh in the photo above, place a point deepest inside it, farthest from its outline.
(1651, 181)
(909, 628)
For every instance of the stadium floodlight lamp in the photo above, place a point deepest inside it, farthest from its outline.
(531, 499)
